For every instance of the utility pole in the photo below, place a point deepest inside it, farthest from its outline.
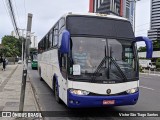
(22, 44)
(26, 55)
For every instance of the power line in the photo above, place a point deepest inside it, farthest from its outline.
(12, 15)
(6, 9)
(25, 10)
(25, 6)
(17, 11)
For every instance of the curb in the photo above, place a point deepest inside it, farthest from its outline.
(149, 74)
(38, 106)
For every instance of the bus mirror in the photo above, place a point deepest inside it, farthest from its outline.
(149, 46)
(65, 42)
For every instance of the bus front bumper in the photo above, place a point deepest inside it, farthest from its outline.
(77, 101)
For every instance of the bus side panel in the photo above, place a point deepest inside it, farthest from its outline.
(54, 69)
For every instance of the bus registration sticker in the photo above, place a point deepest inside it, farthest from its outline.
(108, 102)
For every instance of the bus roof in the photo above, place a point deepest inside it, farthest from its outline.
(93, 15)
(97, 15)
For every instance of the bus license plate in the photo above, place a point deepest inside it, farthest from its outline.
(108, 102)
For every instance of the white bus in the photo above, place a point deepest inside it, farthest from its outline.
(91, 60)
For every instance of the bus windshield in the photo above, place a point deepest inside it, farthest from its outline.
(34, 57)
(105, 59)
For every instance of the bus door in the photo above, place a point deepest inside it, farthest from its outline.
(64, 75)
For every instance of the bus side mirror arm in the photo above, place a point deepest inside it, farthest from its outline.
(149, 45)
(65, 42)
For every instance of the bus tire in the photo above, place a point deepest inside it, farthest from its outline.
(56, 92)
(41, 79)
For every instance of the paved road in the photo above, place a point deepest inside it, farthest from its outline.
(148, 101)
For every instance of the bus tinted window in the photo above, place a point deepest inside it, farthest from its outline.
(55, 39)
(61, 23)
(50, 39)
(99, 26)
(47, 42)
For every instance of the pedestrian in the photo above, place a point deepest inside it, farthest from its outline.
(1, 59)
(4, 64)
(82, 58)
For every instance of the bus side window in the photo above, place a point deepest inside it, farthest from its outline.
(50, 39)
(55, 38)
(64, 62)
(64, 65)
(45, 44)
(61, 23)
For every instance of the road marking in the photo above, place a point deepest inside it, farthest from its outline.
(146, 87)
(145, 77)
(151, 74)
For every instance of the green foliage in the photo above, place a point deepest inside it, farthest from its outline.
(141, 49)
(140, 69)
(12, 46)
(3, 51)
(158, 63)
(156, 44)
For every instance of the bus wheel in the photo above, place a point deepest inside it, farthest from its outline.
(56, 92)
(40, 75)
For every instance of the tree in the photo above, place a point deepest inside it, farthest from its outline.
(3, 51)
(158, 63)
(156, 44)
(12, 46)
(141, 49)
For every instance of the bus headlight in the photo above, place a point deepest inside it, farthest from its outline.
(79, 92)
(133, 90)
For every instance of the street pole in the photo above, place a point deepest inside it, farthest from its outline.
(22, 44)
(26, 55)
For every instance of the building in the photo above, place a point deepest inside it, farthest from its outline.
(122, 8)
(13, 33)
(34, 43)
(154, 32)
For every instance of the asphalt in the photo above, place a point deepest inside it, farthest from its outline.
(148, 100)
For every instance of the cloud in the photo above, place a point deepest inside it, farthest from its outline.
(45, 14)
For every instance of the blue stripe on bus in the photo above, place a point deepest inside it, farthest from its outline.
(76, 101)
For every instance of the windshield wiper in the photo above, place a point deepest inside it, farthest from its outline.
(123, 75)
(99, 68)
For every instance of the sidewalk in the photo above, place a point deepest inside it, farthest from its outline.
(10, 90)
(147, 72)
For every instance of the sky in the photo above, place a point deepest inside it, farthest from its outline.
(47, 12)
